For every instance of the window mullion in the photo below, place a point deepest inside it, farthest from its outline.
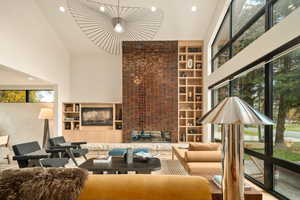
(268, 165)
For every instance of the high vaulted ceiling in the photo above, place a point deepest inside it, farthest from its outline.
(179, 22)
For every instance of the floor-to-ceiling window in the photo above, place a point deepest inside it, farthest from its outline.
(244, 22)
(218, 94)
(286, 113)
(272, 153)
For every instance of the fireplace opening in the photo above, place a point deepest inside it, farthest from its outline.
(150, 136)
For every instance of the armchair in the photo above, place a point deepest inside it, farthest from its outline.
(70, 150)
(31, 155)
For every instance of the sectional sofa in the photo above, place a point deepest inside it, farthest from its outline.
(200, 159)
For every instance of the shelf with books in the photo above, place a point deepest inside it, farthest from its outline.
(189, 90)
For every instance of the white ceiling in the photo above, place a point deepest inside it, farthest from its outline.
(179, 22)
(11, 77)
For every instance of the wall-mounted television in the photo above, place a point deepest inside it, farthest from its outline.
(96, 116)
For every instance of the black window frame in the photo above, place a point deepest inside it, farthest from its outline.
(267, 156)
(27, 95)
(266, 11)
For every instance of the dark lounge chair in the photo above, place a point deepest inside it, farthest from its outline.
(72, 150)
(31, 155)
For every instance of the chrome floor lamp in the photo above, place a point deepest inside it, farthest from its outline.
(232, 114)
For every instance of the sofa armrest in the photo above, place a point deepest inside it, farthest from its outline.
(203, 156)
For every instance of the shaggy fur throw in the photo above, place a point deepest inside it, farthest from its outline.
(42, 184)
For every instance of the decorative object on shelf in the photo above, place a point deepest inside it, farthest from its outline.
(119, 126)
(192, 131)
(76, 126)
(182, 58)
(77, 108)
(183, 74)
(198, 98)
(107, 25)
(198, 65)
(69, 109)
(190, 96)
(198, 89)
(46, 114)
(233, 113)
(190, 64)
(182, 90)
(194, 50)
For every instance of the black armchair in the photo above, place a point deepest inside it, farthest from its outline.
(31, 155)
(71, 150)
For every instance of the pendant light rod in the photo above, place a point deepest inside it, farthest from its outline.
(118, 11)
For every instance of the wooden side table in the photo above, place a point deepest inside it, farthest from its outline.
(251, 194)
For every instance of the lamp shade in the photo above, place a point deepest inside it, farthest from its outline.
(46, 113)
(233, 110)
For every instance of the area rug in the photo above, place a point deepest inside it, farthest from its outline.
(171, 167)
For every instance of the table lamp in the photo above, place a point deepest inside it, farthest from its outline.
(232, 114)
(46, 114)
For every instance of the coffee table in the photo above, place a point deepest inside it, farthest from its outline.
(119, 166)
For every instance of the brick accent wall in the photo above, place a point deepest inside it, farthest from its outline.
(150, 87)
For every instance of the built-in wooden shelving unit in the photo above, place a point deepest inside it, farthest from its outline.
(74, 130)
(190, 91)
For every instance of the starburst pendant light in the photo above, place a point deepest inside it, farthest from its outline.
(107, 25)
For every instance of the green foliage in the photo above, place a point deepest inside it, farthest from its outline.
(283, 8)
(12, 96)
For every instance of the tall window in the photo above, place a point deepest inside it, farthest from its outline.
(283, 8)
(243, 11)
(286, 106)
(244, 22)
(251, 34)
(279, 145)
(222, 36)
(218, 94)
(250, 87)
(286, 113)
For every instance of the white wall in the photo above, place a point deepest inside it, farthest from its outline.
(96, 78)
(20, 121)
(216, 21)
(30, 45)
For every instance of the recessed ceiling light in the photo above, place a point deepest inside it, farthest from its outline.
(62, 9)
(153, 8)
(194, 8)
(102, 8)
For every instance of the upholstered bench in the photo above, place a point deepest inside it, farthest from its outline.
(122, 151)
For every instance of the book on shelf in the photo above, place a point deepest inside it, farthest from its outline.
(217, 179)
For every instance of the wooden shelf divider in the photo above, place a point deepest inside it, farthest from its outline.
(190, 90)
